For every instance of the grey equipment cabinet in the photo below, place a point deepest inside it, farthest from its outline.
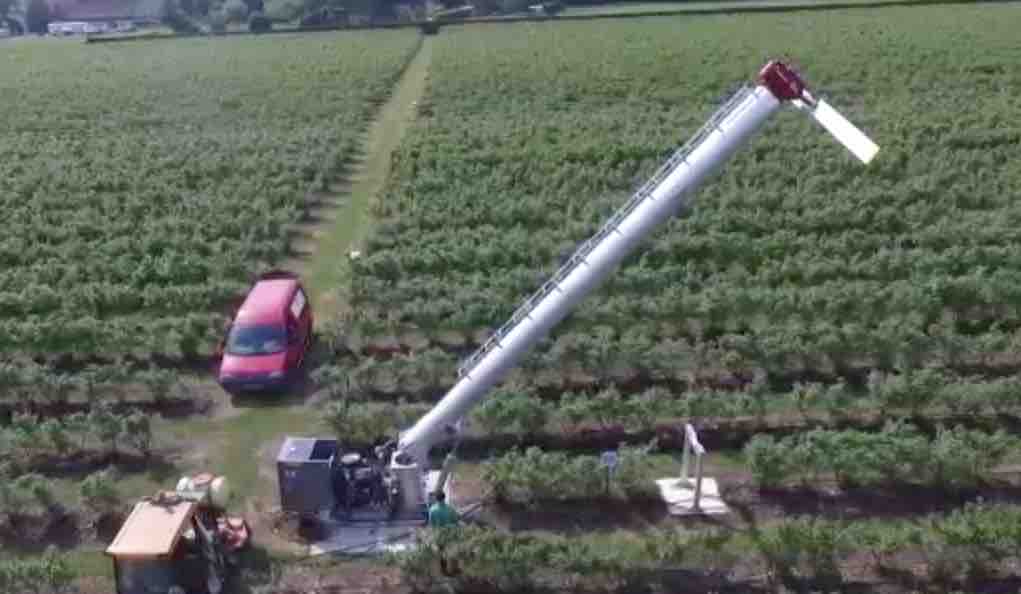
(304, 473)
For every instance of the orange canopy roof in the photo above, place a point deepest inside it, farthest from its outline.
(153, 529)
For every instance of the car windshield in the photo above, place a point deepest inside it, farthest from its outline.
(256, 340)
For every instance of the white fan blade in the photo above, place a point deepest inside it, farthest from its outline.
(844, 131)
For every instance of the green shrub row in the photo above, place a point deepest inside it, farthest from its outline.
(533, 475)
(20, 383)
(899, 454)
(517, 409)
(28, 436)
(802, 553)
(33, 495)
(46, 574)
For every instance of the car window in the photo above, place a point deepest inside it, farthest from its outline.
(256, 340)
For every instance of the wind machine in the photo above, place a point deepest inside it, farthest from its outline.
(371, 498)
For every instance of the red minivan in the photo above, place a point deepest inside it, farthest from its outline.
(269, 336)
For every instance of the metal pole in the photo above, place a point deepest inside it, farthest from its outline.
(698, 483)
(684, 460)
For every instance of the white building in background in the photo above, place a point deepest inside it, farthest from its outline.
(89, 27)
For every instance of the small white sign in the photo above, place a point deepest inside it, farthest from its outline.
(609, 459)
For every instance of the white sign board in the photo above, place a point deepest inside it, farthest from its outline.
(609, 459)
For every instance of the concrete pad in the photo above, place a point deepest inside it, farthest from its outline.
(679, 495)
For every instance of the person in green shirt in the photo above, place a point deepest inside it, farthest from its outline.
(441, 516)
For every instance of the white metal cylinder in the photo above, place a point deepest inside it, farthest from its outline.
(666, 200)
(409, 479)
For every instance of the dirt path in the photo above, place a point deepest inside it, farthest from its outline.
(339, 221)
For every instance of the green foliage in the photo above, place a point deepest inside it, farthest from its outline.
(802, 553)
(160, 383)
(899, 454)
(137, 429)
(26, 495)
(177, 19)
(362, 423)
(784, 272)
(634, 472)
(606, 408)
(218, 22)
(284, 10)
(98, 491)
(28, 436)
(508, 410)
(57, 435)
(107, 425)
(911, 391)
(48, 573)
(768, 461)
(37, 16)
(533, 475)
(170, 234)
(235, 11)
(260, 23)
(802, 549)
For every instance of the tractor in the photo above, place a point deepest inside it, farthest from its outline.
(180, 541)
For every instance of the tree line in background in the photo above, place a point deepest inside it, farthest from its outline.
(190, 15)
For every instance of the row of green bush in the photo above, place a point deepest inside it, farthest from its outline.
(899, 454)
(33, 495)
(805, 553)
(533, 475)
(45, 574)
(28, 435)
(517, 409)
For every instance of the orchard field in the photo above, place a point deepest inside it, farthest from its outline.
(142, 187)
(797, 265)
(845, 336)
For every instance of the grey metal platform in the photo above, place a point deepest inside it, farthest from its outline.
(369, 533)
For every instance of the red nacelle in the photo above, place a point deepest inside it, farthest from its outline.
(269, 336)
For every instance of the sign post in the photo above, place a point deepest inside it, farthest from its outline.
(609, 460)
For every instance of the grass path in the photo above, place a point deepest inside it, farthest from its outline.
(242, 438)
(343, 224)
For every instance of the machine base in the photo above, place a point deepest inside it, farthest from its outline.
(369, 532)
(680, 497)
(367, 538)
